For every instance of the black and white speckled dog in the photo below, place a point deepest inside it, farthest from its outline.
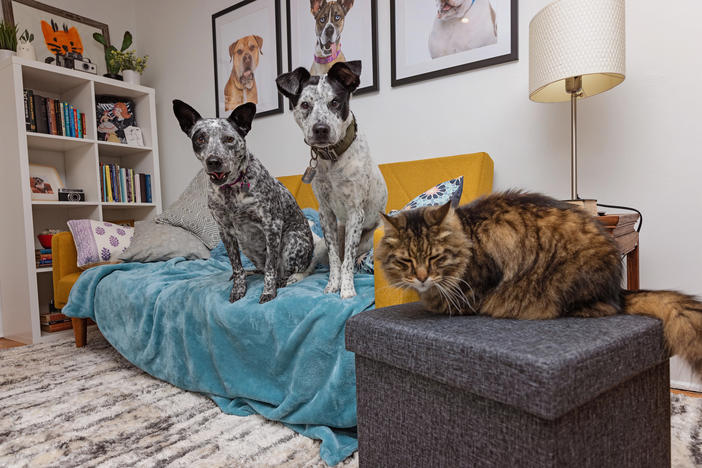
(254, 211)
(347, 183)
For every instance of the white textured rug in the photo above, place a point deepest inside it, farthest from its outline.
(63, 406)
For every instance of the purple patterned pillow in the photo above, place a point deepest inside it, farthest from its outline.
(98, 242)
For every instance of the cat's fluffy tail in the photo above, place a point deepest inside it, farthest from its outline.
(682, 320)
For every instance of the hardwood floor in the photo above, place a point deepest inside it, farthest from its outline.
(5, 343)
(685, 392)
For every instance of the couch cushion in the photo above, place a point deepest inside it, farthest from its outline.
(190, 212)
(545, 367)
(99, 242)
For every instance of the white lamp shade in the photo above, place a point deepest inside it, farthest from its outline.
(571, 38)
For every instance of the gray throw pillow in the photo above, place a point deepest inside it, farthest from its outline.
(158, 242)
(190, 212)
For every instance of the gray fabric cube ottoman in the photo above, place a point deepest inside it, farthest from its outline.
(477, 391)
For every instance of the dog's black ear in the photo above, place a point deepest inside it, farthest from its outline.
(186, 115)
(346, 73)
(242, 116)
(290, 84)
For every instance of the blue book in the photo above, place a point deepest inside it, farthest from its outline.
(73, 122)
(148, 188)
(64, 113)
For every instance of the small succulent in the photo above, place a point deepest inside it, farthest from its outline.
(113, 66)
(8, 36)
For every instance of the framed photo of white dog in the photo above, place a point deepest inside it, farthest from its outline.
(433, 38)
(247, 56)
(324, 32)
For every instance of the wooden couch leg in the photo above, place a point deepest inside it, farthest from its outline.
(80, 330)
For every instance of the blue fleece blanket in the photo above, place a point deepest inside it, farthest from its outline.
(284, 359)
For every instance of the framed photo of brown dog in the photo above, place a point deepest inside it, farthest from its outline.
(324, 32)
(434, 38)
(247, 56)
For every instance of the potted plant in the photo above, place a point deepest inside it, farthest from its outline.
(113, 66)
(8, 40)
(131, 65)
(24, 46)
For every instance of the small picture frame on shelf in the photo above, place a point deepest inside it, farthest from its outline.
(134, 136)
(114, 114)
(44, 182)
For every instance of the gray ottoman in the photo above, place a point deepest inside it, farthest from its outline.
(476, 391)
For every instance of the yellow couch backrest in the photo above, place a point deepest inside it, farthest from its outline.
(406, 180)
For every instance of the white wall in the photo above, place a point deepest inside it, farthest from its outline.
(119, 19)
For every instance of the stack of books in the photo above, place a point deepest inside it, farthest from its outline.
(123, 185)
(43, 257)
(51, 116)
(54, 321)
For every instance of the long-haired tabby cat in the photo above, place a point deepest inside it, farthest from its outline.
(525, 256)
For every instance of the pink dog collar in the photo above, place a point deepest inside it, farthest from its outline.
(336, 50)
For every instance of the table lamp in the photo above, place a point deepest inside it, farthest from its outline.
(576, 50)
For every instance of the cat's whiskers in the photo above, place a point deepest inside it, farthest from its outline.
(451, 301)
(458, 282)
(453, 287)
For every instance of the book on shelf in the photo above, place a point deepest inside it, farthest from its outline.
(52, 318)
(52, 117)
(124, 185)
(54, 327)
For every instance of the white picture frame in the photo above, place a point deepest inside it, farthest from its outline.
(44, 182)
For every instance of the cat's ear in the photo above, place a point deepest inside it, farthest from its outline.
(393, 223)
(436, 216)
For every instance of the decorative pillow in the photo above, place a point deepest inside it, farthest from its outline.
(435, 196)
(99, 242)
(154, 242)
(191, 213)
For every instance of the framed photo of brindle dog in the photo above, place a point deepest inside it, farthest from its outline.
(434, 38)
(324, 32)
(247, 56)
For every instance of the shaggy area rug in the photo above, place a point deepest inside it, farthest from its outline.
(62, 406)
(67, 406)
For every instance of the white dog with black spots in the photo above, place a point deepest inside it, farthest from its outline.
(349, 187)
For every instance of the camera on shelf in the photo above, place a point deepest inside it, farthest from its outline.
(85, 65)
(71, 195)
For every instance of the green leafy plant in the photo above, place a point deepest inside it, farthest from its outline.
(130, 61)
(8, 36)
(26, 36)
(113, 66)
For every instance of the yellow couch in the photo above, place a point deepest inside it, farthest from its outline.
(405, 180)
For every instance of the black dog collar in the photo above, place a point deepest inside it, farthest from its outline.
(332, 153)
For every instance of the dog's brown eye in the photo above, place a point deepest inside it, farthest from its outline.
(240, 51)
(305, 105)
(334, 103)
(228, 140)
(252, 48)
(200, 140)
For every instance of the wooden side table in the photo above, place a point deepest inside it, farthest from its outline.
(621, 227)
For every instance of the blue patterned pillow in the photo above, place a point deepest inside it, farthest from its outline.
(435, 196)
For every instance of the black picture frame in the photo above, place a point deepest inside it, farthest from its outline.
(278, 109)
(513, 55)
(374, 46)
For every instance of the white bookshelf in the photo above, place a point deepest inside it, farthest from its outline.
(25, 290)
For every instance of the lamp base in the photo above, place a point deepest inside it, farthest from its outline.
(589, 205)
